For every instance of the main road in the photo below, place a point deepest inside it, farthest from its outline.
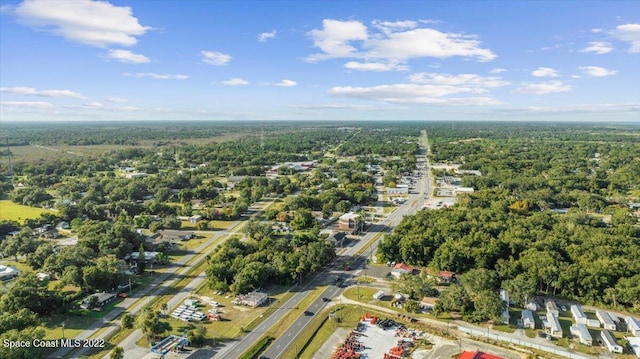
(371, 239)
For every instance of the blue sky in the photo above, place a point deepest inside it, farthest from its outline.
(82, 60)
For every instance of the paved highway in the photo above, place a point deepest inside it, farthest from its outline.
(413, 203)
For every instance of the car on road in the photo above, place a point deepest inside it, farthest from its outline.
(308, 313)
(347, 268)
(325, 299)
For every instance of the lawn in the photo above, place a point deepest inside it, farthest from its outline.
(19, 213)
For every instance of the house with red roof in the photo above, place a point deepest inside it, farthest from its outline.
(443, 276)
(400, 269)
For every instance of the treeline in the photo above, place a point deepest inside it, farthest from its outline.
(241, 266)
(508, 225)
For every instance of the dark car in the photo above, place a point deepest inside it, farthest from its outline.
(306, 312)
(325, 299)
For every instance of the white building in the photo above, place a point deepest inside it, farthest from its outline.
(610, 342)
(634, 343)
(527, 319)
(633, 326)
(378, 295)
(532, 306)
(8, 273)
(552, 325)
(605, 320)
(578, 314)
(552, 307)
(580, 331)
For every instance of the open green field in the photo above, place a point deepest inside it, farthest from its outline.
(16, 212)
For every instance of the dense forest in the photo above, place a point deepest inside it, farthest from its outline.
(550, 213)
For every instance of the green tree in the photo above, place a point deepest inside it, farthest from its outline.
(487, 306)
(411, 306)
(303, 219)
(127, 321)
(117, 353)
(197, 335)
(150, 323)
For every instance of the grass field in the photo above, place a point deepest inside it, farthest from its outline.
(16, 212)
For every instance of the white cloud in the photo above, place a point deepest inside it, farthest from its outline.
(391, 44)
(335, 39)
(215, 58)
(425, 42)
(95, 23)
(599, 47)
(346, 106)
(94, 105)
(393, 26)
(156, 76)
(629, 33)
(128, 56)
(263, 37)
(27, 104)
(596, 30)
(595, 71)
(374, 66)
(497, 71)
(542, 88)
(117, 99)
(544, 72)
(475, 83)
(286, 83)
(23, 90)
(235, 81)
(412, 94)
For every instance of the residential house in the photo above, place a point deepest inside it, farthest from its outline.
(581, 332)
(195, 218)
(610, 342)
(578, 314)
(8, 273)
(605, 320)
(633, 325)
(102, 299)
(400, 269)
(634, 343)
(337, 239)
(172, 234)
(350, 223)
(532, 306)
(552, 308)
(443, 276)
(379, 294)
(527, 319)
(552, 325)
(428, 303)
(63, 225)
